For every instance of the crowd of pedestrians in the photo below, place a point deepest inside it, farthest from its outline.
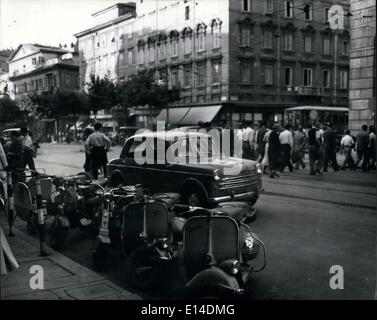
(278, 148)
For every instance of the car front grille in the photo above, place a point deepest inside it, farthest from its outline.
(245, 180)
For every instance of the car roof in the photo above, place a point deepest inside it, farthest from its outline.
(170, 134)
(186, 128)
(11, 129)
(128, 127)
(318, 108)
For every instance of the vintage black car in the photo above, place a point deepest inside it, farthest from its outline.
(189, 163)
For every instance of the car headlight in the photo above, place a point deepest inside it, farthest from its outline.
(235, 268)
(259, 168)
(231, 266)
(216, 173)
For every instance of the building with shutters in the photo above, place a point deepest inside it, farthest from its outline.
(37, 68)
(234, 60)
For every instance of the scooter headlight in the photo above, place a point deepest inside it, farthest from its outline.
(259, 168)
(163, 243)
(250, 248)
(249, 243)
(235, 268)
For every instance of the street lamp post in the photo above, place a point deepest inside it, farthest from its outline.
(336, 21)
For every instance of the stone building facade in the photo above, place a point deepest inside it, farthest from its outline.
(37, 68)
(362, 94)
(247, 59)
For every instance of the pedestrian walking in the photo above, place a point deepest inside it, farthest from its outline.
(314, 142)
(329, 140)
(15, 158)
(362, 144)
(372, 148)
(286, 140)
(274, 151)
(346, 145)
(246, 135)
(260, 142)
(98, 145)
(299, 146)
(27, 149)
(88, 162)
(265, 150)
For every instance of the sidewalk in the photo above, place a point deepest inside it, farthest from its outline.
(64, 279)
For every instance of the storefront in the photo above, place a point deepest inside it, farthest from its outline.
(230, 115)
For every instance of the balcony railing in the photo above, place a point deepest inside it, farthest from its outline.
(308, 91)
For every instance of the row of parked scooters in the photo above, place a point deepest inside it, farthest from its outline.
(219, 250)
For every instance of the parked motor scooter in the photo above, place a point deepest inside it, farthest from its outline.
(153, 233)
(108, 220)
(220, 254)
(74, 204)
(150, 233)
(25, 197)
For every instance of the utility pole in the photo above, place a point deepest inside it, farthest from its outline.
(156, 58)
(336, 20)
(278, 53)
(194, 51)
(335, 65)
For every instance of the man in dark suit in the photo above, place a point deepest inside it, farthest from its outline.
(260, 143)
(329, 139)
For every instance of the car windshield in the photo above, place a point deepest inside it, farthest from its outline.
(196, 146)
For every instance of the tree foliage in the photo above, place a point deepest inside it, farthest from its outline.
(71, 103)
(102, 94)
(59, 104)
(9, 111)
(142, 90)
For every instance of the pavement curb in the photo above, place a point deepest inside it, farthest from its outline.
(64, 279)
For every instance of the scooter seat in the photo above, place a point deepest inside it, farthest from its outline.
(235, 212)
(169, 198)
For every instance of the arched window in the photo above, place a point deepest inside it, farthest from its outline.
(216, 33)
(174, 37)
(201, 36)
(161, 46)
(187, 37)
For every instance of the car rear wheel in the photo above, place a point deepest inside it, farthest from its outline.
(116, 180)
(193, 198)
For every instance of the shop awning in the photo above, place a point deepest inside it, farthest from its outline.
(189, 115)
(175, 115)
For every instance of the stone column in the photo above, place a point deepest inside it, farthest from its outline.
(362, 64)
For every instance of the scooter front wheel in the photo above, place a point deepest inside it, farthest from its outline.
(32, 224)
(58, 236)
(100, 256)
(140, 271)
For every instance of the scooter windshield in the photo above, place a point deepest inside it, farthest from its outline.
(215, 236)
